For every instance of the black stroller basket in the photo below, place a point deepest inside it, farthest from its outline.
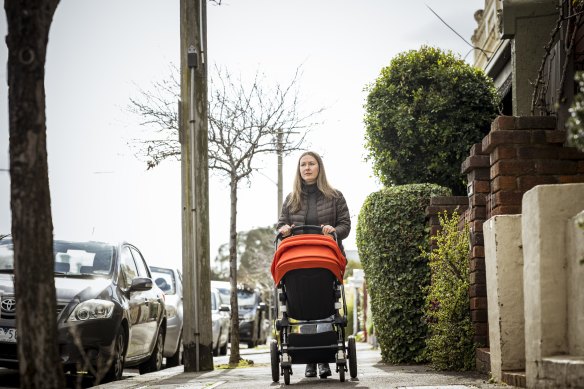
(309, 297)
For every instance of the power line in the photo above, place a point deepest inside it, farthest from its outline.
(460, 36)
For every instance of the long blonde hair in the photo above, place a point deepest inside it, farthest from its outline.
(295, 202)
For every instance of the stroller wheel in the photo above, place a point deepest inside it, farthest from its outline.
(275, 359)
(342, 373)
(287, 372)
(352, 357)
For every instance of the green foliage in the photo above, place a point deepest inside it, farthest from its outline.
(351, 265)
(423, 113)
(390, 230)
(450, 344)
(575, 124)
(350, 307)
(255, 250)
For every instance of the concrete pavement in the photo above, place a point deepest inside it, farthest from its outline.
(372, 374)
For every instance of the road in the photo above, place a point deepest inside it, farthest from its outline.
(9, 378)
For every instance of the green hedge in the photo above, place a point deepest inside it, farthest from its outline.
(390, 231)
(450, 344)
(423, 113)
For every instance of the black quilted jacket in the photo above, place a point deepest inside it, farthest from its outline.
(333, 212)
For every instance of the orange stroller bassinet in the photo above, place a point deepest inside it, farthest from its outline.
(308, 270)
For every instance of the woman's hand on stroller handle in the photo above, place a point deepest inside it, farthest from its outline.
(287, 230)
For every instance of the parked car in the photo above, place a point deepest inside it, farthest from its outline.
(224, 289)
(170, 282)
(220, 323)
(106, 299)
(252, 317)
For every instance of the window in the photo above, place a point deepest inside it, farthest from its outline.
(142, 268)
(129, 269)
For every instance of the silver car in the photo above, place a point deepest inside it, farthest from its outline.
(170, 282)
(220, 323)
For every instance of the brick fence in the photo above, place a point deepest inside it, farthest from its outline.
(517, 154)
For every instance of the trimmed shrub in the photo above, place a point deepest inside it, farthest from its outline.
(423, 114)
(450, 344)
(390, 230)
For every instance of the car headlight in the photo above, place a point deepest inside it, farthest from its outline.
(248, 316)
(92, 309)
(170, 311)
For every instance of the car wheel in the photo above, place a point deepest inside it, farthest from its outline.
(216, 349)
(116, 368)
(154, 363)
(176, 359)
(223, 349)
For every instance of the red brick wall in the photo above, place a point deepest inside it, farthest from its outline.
(525, 152)
(517, 154)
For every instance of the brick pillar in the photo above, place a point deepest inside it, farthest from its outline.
(476, 167)
(525, 152)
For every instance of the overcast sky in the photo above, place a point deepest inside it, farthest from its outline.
(101, 52)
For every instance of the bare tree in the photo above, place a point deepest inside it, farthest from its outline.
(246, 119)
(29, 22)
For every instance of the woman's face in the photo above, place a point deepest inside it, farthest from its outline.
(308, 169)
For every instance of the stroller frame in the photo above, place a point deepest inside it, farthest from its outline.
(291, 311)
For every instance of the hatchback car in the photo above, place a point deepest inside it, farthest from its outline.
(170, 282)
(106, 302)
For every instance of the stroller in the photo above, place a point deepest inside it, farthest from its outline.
(308, 270)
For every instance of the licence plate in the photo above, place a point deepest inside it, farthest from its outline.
(7, 335)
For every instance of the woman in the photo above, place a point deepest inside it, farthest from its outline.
(314, 202)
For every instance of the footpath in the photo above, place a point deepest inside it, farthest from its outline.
(372, 374)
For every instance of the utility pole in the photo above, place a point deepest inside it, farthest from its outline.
(197, 333)
(279, 150)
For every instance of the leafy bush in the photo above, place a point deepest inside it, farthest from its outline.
(575, 124)
(423, 113)
(450, 343)
(390, 230)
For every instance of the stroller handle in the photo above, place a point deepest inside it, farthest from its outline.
(305, 229)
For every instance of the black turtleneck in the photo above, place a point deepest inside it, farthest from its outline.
(311, 196)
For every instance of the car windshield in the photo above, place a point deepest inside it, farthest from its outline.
(246, 299)
(164, 278)
(71, 258)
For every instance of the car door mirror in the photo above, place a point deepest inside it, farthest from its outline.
(224, 308)
(141, 284)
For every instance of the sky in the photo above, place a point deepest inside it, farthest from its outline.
(101, 53)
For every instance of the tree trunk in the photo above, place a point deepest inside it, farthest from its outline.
(32, 226)
(234, 357)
